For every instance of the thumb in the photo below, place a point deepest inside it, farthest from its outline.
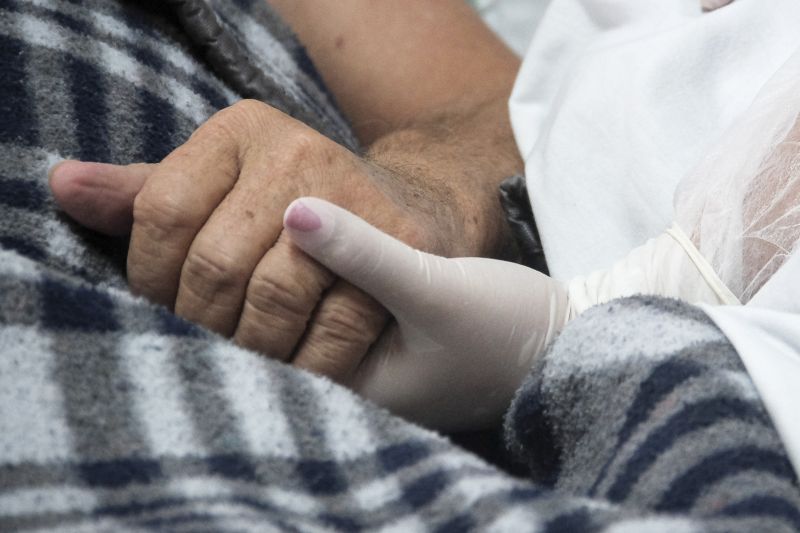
(391, 271)
(466, 301)
(99, 195)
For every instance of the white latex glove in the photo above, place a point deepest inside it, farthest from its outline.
(668, 265)
(466, 330)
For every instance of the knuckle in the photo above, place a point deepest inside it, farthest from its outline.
(249, 107)
(148, 209)
(218, 129)
(212, 270)
(243, 110)
(305, 146)
(277, 296)
(235, 125)
(344, 324)
(344, 328)
(164, 212)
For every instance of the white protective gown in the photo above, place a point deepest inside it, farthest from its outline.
(621, 101)
(618, 99)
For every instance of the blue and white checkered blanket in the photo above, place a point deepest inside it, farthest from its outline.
(117, 416)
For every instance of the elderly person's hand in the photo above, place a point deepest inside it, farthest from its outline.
(206, 232)
(206, 222)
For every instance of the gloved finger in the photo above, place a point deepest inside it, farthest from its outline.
(282, 294)
(389, 270)
(99, 195)
(344, 326)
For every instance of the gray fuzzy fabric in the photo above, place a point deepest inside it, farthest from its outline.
(644, 403)
(117, 416)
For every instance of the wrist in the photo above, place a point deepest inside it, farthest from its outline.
(450, 168)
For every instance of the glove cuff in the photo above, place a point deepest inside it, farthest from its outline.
(668, 265)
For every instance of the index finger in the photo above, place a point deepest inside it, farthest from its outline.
(173, 205)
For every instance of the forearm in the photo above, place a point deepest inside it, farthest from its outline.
(391, 64)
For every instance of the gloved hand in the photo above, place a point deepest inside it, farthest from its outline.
(466, 329)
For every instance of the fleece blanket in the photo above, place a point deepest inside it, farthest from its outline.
(117, 416)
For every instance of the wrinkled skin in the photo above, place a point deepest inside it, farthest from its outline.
(205, 223)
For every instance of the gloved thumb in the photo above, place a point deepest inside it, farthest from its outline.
(377, 263)
(451, 297)
(99, 195)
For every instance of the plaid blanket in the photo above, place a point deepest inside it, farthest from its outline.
(117, 416)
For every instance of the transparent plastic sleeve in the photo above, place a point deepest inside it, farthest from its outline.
(741, 205)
